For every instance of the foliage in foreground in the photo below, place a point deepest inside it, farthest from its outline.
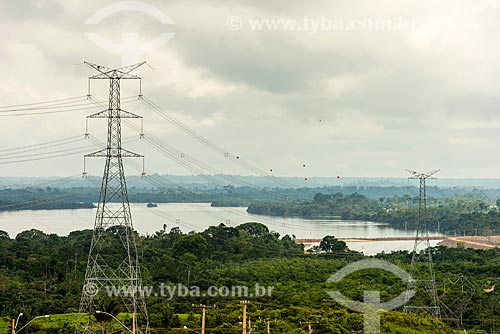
(42, 274)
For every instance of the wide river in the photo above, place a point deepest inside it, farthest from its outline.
(197, 217)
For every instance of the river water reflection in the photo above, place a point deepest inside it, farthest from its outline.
(197, 217)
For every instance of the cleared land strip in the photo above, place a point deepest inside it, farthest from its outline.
(310, 241)
(476, 242)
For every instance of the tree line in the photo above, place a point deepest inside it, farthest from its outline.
(468, 214)
(43, 273)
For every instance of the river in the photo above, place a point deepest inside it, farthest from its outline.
(197, 217)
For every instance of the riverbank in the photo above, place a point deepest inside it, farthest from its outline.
(474, 242)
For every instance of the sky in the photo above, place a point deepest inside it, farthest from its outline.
(323, 88)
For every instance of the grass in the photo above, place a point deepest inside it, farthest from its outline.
(4, 325)
(67, 321)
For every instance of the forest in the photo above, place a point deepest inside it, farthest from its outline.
(65, 197)
(468, 214)
(43, 274)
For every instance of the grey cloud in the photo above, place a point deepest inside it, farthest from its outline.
(387, 99)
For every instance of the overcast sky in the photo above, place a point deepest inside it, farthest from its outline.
(348, 88)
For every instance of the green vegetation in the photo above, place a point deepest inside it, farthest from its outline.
(39, 199)
(82, 197)
(43, 274)
(470, 214)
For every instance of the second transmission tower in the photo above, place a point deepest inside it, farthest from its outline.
(422, 280)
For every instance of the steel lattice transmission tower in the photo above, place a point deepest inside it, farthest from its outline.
(422, 280)
(113, 258)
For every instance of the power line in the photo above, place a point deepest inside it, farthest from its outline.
(179, 157)
(44, 153)
(66, 108)
(50, 106)
(47, 112)
(211, 145)
(218, 217)
(43, 102)
(197, 167)
(43, 158)
(50, 154)
(196, 102)
(42, 144)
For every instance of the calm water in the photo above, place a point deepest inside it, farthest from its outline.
(197, 217)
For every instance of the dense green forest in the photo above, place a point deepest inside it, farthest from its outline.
(82, 197)
(468, 214)
(43, 274)
(40, 199)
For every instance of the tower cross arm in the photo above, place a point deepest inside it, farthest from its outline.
(113, 153)
(429, 174)
(107, 114)
(118, 73)
(129, 154)
(417, 175)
